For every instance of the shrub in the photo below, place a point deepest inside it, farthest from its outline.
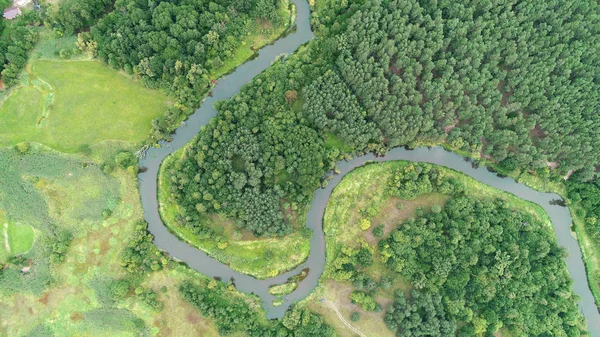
(355, 316)
(378, 231)
(365, 224)
(125, 159)
(120, 289)
(23, 147)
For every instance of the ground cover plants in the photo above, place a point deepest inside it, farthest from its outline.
(85, 222)
(396, 265)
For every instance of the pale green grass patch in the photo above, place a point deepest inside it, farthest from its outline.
(66, 104)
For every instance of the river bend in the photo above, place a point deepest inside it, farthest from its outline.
(231, 84)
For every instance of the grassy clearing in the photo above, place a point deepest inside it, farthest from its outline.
(15, 239)
(20, 237)
(361, 190)
(67, 104)
(261, 258)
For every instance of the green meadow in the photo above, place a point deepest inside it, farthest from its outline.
(45, 194)
(68, 104)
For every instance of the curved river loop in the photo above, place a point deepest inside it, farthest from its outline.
(231, 84)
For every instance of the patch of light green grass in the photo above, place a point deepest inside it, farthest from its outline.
(20, 238)
(91, 103)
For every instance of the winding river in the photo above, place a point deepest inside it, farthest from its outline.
(230, 85)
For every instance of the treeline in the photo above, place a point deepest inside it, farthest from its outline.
(76, 15)
(513, 81)
(385, 74)
(16, 41)
(478, 263)
(233, 315)
(176, 45)
(587, 195)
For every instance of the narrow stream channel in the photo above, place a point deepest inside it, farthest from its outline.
(230, 85)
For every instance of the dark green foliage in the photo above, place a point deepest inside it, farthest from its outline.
(15, 44)
(588, 196)
(150, 297)
(60, 245)
(245, 162)
(364, 257)
(492, 267)
(417, 179)
(75, 15)
(331, 107)
(141, 255)
(421, 315)
(355, 316)
(378, 231)
(120, 289)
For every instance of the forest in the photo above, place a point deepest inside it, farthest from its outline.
(475, 265)
(177, 45)
(494, 81)
(17, 38)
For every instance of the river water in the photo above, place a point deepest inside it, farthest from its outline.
(231, 84)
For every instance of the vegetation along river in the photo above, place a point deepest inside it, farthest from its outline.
(230, 85)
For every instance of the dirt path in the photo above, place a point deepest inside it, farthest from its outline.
(339, 314)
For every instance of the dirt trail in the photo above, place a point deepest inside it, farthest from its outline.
(339, 314)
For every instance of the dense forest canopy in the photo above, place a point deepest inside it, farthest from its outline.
(176, 45)
(492, 266)
(513, 82)
(16, 40)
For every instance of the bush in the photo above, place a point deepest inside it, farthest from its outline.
(125, 159)
(23, 147)
(355, 316)
(120, 289)
(365, 224)
(378, 231)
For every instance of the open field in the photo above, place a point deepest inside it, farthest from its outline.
(67, 193)
(67, 104)
(363, 189)
(244, 252)
(15, 239)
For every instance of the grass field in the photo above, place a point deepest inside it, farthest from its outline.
(15, 239)
(54, 191)
(67, 104)
(243, 253)
(359, 190)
